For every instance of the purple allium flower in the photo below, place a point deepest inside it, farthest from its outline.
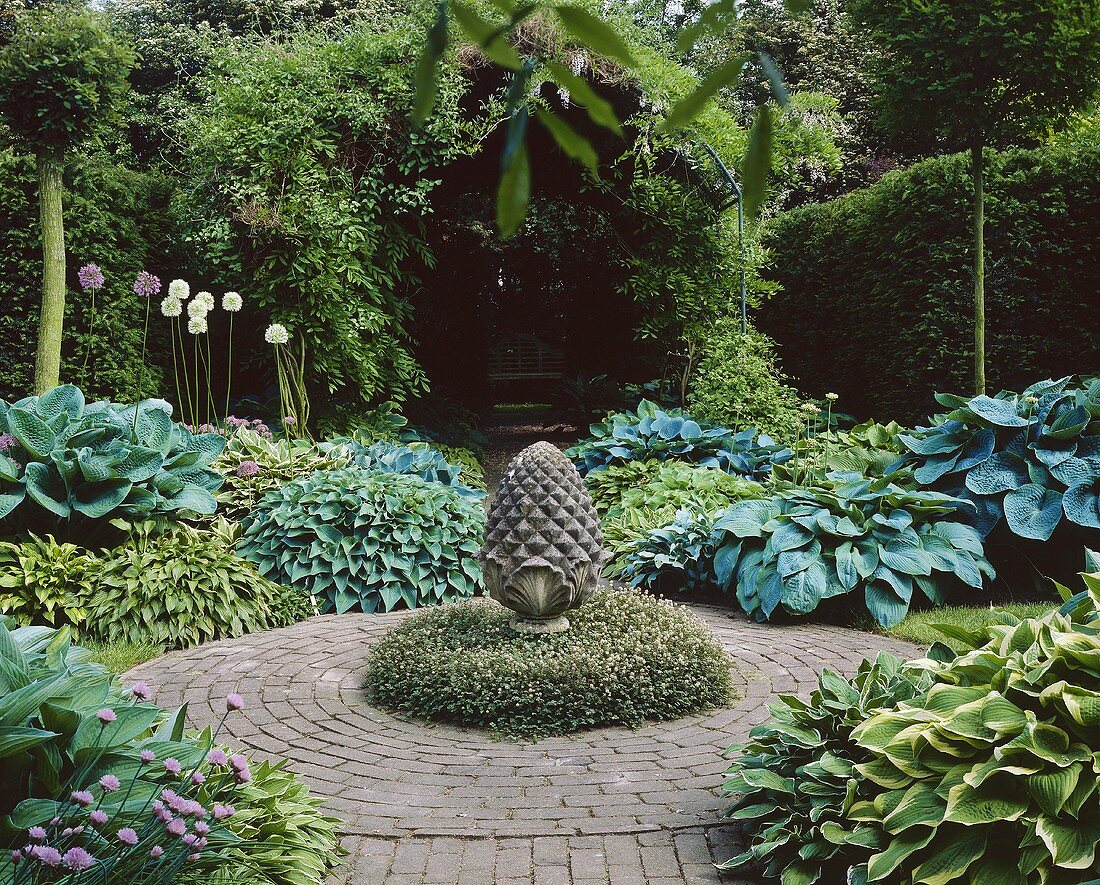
(82, 797)
(238, 761)
(110, 783)
(106, 716)
(234, 701)
(290, 420)
(127, 836)
(98, 817)
(90, 276)
(146, 285)
(217, 757)
(147, 756)
(202, 828)
(141, 691)
(245, 470)
(16, 856)
(162, 814)
(194, 857)
(76, 858)
(190, 839)
(224, 812)
(197, 777)
(155, 852)
(65, 833)
(172, 766)
(243, 775)
(176, 827)
(37, 834)
(46, 855)
(7, 442)
(55, 822)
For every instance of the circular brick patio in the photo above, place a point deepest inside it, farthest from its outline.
(434, 804)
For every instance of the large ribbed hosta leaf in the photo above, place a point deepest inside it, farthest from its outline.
(1033, 511)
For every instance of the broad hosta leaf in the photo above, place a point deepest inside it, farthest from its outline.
(1082, 504)
(1033, 511)
(996, 411)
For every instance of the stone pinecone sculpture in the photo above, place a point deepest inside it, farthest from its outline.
(543, 546)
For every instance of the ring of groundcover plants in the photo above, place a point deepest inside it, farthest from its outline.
(626, 659)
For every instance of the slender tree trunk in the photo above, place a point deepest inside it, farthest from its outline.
(979, 268)
(47, 363)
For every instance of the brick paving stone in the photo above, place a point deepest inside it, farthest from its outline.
(437, 805)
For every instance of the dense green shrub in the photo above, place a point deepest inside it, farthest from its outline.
(66, 725)
(991, 776)
(876, 285)
(67, 462)
(680, 553)
(625, 659)
(354, 538)
(254, 464)
(737, 383)
(846, 535)
(1030, 457)
(795, 778)
(183, 588)
(651, 433)
(45, 582)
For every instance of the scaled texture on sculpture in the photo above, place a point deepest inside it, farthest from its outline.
(543, 547)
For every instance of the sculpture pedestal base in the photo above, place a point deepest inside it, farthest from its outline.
(536, 626)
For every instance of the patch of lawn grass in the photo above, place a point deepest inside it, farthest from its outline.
(118, 657)
(918, 628)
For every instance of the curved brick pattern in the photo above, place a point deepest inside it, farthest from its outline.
(436, 804)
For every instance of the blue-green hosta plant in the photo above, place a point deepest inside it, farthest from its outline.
(847, 535)
(992, 776)
(794, 780)
(65, 459)
(652, 433)
(1031, 458)
(388, 457)
(367, 539)
(680, 552)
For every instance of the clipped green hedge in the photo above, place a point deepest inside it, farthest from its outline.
(876, 293)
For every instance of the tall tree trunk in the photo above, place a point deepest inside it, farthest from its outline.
(979, 268)
(47, 363)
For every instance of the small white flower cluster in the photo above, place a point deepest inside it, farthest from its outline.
(198, 307)
(276, 333)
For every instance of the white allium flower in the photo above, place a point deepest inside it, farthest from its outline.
(171, 307)
(833, 397)
(197, 325)
(276, 333)
(232, 302)
(197, 309)
(179, 290)
(207, 299)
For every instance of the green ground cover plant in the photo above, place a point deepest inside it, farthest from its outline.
(921, 626)
(625, 659)
(369, 540)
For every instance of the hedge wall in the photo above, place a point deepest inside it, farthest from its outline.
(876, 299)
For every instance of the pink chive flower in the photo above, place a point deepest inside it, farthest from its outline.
(16, 856)
(176, 827)
(194, 857)
(7, 442)
(141, 691)
(217, 757)
(172, 766)
(110, 783)
(46, 855)
(238, 761)
(224, 812)
(76, 858)
(98, 817)
(147, 756)
(37, 834)
(190, 839)
(202, 828)
(127, 836)
(234, 702)
(146, 285)
(247, 469)
(155, 852)
(106, 716)
(243, 775)
(90, 276)
(82, 797)
(197, 777)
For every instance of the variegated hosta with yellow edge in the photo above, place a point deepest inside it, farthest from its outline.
(990, 778)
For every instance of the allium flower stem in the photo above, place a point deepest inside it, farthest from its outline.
(229, 366)
(141, 370)
(175, 363)
(91, 327)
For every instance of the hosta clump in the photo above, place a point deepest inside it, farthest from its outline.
(356, 538)
(389, 457)
(67, 460)
(651, 433)
(680, 553)
(870, 448)
(849, 535)
(254, 464)
(43, 581)
(182, 588)
(1032, 458)
(992, 775)
(794, 780)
